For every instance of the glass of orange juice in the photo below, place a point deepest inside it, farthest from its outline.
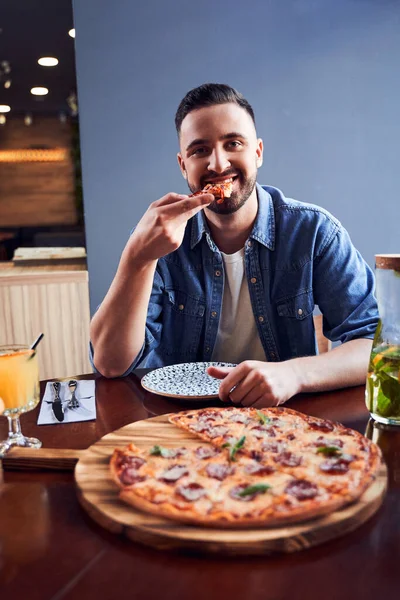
(19, 392)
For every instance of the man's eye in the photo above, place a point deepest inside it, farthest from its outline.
(199, 151)
(234, 144)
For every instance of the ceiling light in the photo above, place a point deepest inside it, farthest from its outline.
(7, 84)
(3, 119)
(48, 61)
(28, 119)
(4, 108)
(71, 32)
(39, 91)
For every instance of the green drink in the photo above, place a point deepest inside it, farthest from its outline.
(382, 392)
(383, 384)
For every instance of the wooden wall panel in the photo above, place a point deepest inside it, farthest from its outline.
(37, 193)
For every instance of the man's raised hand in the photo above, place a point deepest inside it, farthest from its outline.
(162, 227)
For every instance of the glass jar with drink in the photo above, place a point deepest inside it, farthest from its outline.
(383, 380)
(19, 392)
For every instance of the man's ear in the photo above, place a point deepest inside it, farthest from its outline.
(259, 153)
(181, 165)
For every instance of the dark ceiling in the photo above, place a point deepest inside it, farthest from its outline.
(30, 29)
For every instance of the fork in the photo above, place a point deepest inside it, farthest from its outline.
(73, 403)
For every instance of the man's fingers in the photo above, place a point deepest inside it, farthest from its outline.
(219, 372)
(231, 381)
(170, 198)
(185, 209)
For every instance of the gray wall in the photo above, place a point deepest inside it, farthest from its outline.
(323, 78)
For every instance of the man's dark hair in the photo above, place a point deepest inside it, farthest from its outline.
(210, 94)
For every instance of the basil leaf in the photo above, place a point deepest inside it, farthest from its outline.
(329, 450)
(160, 451)
(258, 488)
(263, 418)
(233, 448)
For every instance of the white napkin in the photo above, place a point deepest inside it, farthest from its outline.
(84, 394)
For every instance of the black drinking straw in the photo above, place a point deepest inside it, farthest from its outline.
(36, 342)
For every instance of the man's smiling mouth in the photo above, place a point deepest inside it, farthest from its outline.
(217, 180)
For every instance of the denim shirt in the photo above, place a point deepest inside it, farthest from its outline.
(296, 257)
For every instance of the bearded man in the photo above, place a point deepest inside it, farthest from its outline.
(236, 281)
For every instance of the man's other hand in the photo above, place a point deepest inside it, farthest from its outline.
(256, 383)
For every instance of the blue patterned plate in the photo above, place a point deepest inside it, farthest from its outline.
(187, 380)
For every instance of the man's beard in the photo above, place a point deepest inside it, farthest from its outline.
(237, 199)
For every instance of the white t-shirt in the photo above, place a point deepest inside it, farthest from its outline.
(237, 338)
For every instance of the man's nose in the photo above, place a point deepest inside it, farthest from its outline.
(218, 161)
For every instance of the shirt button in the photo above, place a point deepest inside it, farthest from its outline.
(253, 280)
(300, 311)
(249, 244)
(208, 349)
(218, 273)
(181, 307)
(213, 314)
(261, 319)
(273, 355)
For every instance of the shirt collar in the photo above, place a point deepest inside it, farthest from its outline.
(263, 229)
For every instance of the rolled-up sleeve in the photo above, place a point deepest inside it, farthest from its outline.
(344, 289)
(153, 328)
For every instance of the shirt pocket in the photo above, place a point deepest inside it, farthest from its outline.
(297, 307)
(296, 324)
(183, 317)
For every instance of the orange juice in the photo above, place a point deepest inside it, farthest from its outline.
(19, 379)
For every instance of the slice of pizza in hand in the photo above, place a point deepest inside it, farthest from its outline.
(220, 191)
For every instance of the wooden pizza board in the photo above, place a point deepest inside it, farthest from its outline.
(98, 494)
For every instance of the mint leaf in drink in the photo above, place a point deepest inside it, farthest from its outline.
(234, 448)
(383, 405)
(258, 488)
(263, 418)
(329, 450)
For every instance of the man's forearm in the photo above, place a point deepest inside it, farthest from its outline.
(117, 329)
(344, 366)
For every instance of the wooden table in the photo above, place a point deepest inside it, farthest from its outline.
(51, 550)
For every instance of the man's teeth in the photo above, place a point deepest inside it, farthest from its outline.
(221, 181)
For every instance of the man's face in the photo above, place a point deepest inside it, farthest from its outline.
(218, 143)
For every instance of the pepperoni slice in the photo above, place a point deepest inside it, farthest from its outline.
(239, 418)
(200, 427)
(174, 473)
(191, 492)
(290, 436)
(262, 431)
(324, 442)
(257, 469)
(256, 455)
(127, 460)
(214, 432)
(206, 452)
(302, 489)
(336, 466)
(273, 447)
(321, 425)
(288, 459)
(208, 413)
(218, 471)
(176, 452)
(130, 475)
(234, 493)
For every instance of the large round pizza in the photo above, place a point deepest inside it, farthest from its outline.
(249, 468)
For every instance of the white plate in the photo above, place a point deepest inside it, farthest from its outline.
(187, 380)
